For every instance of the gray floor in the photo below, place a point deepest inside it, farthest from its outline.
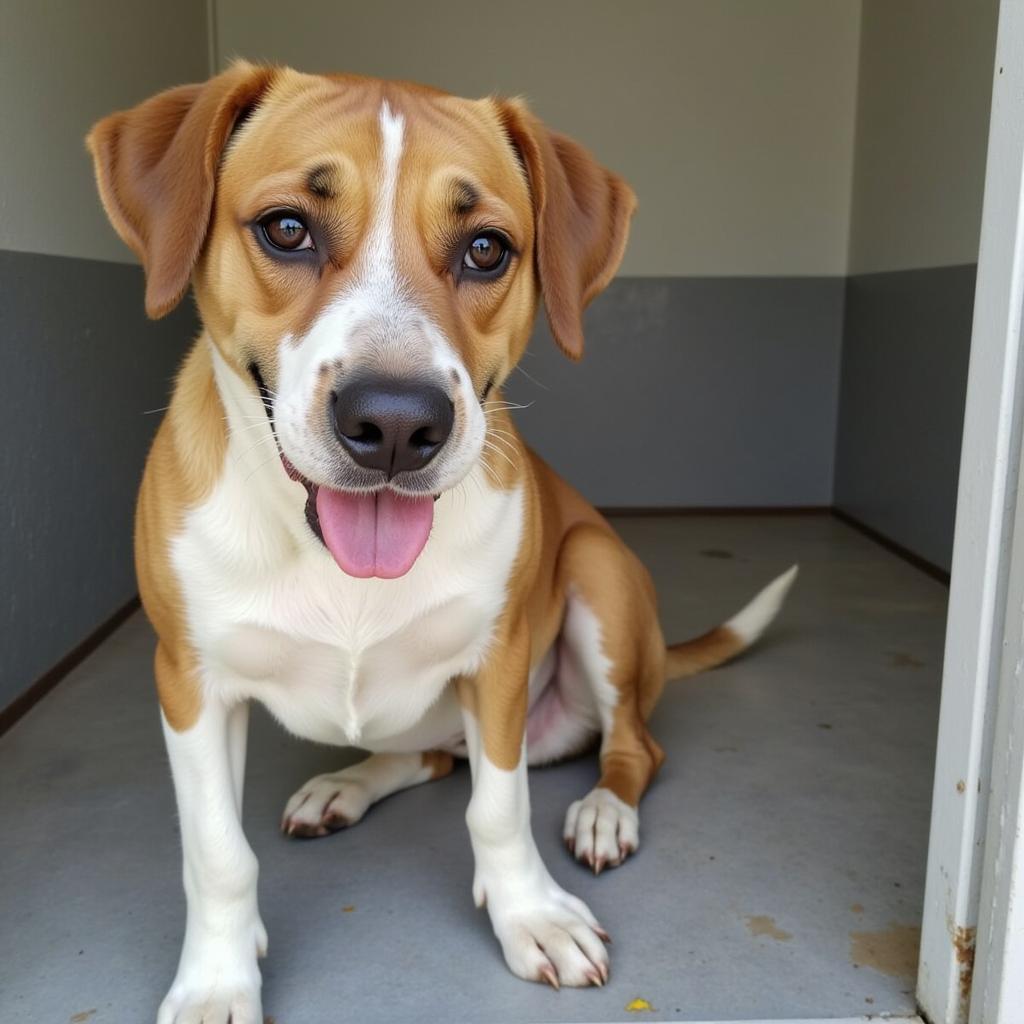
(783, 846)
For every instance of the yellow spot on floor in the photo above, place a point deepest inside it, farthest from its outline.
(348, 909)
(77, 1018)
(762, 924)
(857, 908)
(639, 1006)
(893, 951)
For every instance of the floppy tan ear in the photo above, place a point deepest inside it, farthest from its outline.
(156, 169)
(582, 214)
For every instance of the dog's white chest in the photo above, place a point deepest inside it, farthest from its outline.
(337, 659)
(373, 682)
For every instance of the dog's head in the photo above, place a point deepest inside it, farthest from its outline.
(369, 257)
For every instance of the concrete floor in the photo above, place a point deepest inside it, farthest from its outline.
(783, 847)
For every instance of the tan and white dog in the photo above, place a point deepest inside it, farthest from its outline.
(338, 517)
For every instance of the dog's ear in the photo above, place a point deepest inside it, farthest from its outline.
(156, 168)
(581, 215)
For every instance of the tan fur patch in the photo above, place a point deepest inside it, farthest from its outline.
(615, 586)
(439, 762)
(182, 468)
(703, 652)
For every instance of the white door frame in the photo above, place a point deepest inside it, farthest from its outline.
(973, 924)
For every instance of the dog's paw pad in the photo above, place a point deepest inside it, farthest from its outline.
(601, 830)
(323, 805)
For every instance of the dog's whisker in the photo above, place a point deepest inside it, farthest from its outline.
(498, 451)
(492, 476)
(508, 443)
(256, 469)
(505, 435)
(530, 377)
(502, 406)
(262, 441)
(250, 428)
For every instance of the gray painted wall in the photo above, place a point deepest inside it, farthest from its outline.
(903, 385)
(82, 365)
(693, 391)
(923, 95)
(80, 360)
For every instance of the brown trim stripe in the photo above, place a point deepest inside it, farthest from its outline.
(24, 702)
(928, 568)
(715, 510)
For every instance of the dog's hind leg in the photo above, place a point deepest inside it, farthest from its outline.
(327, 803)
(611, 644)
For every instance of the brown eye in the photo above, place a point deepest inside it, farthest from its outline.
(487, 253)
(286, 231)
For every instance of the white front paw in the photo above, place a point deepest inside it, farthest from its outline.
(216, 984)
(549, 935)
(601, 830)
(325, 804)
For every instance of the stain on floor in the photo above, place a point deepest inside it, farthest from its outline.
(763, 924)
(639, 1006)
(717, 553)
(893, 951)
(900, 659)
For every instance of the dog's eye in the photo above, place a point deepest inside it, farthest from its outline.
(286, 231)
(487, 253)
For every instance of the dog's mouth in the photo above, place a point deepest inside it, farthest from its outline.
(368, 533)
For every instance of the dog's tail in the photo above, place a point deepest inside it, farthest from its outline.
(726, 641)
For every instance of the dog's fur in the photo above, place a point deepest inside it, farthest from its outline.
(525, 630)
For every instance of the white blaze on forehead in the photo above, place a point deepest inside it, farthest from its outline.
(380, 243)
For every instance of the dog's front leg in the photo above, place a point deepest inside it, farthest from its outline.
(545, 933)
(218, 979)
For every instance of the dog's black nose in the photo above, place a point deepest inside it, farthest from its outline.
(392, 425)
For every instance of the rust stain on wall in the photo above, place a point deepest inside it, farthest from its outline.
(963, 944)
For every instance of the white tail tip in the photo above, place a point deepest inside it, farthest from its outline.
(755, 618)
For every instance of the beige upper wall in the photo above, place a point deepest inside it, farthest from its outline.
(925, 87)
(733, 120)
(62, 66)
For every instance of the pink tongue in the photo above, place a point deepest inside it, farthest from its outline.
(378, 534)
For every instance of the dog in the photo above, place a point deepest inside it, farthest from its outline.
(338, 517)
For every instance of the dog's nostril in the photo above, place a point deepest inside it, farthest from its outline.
(368, 433)
(425, 437)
